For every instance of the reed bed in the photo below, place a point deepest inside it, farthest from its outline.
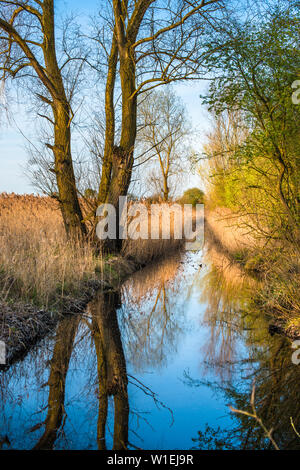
(37, 263)
(230, 230)
(146, 250)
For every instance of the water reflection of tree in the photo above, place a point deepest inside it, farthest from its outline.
(152, 318)
(111, 367)
(231, 314)
(152, 313)
(155, 321)
(111, 371)
(64, 342)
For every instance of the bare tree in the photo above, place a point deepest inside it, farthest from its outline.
(163, 134)
(28, 51)
(152, 43)
(229, 132)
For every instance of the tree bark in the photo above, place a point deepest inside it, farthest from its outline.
(109, 123)
(66, 183)
(122, 156)
(166, 188)
(64, 170)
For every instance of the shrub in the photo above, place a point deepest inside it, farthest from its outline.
(192, 196)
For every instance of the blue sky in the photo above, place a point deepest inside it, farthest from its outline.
(13, 153)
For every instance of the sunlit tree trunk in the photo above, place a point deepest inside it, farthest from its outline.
(109, 123)
(62, 113)
(122, 156)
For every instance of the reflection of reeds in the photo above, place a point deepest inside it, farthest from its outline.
(37, 263)
(226, 290)
(152, 277)
(233, 274)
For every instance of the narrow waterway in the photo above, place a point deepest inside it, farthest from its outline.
(157, 364)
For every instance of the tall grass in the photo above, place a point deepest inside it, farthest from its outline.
(37, 263)
(146, 250)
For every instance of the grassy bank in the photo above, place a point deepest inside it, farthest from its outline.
(277, 264)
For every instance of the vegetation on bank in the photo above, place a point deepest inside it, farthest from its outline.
(261, 387)
(277, 268)
(254, 155)
(38, 263)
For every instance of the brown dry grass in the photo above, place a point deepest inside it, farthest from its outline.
(37, 263)
(145, 251)
(229, 231)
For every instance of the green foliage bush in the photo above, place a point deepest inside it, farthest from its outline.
(192, 196)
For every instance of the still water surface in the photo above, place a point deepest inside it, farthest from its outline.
(159, 361)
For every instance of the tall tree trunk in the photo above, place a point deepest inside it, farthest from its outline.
(109, 123)
(122, 156)
(66, 183)
(118, 162)
(166, 189)
(62, 114)
(118, 172)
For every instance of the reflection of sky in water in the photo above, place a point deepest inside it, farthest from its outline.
(23, 396)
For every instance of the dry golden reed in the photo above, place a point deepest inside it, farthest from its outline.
(147, 250)
(229, 230)
(37, 263)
